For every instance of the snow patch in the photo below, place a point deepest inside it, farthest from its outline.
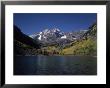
(44, 36)
(74, 38)
(39, 37)
(63, 37)
(40, 33)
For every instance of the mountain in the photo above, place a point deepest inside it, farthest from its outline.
(54, 41)
(18, 35)
(91, 33)
(56, 36)
(23, 44)
(86, 45)
(48, 34)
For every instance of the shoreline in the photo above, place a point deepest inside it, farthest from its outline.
(59, 55)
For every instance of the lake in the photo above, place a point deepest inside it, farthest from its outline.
(55, 65)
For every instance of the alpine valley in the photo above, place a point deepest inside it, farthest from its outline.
(56, 42)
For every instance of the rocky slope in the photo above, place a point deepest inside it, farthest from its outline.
(56, 36)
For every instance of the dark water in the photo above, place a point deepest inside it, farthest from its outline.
(55, 65)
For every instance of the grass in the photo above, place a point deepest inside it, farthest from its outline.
(84, 47)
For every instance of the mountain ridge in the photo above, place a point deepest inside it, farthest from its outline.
(55, 35)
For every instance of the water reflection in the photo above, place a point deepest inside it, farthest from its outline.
(55, 65)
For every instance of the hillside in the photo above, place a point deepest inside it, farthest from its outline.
(23, 44)
(87, 45)
(84, 47)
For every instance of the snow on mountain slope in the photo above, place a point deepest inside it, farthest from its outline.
(55, 35)
(63, 37)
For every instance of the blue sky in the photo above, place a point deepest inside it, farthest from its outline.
(30, 23)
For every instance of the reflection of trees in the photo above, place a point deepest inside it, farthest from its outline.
(46, 52)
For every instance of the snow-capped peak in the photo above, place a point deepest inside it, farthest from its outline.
(40, 33)
(46, 31)
(56, 30)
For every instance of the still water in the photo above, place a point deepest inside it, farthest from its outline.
(55, 65)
